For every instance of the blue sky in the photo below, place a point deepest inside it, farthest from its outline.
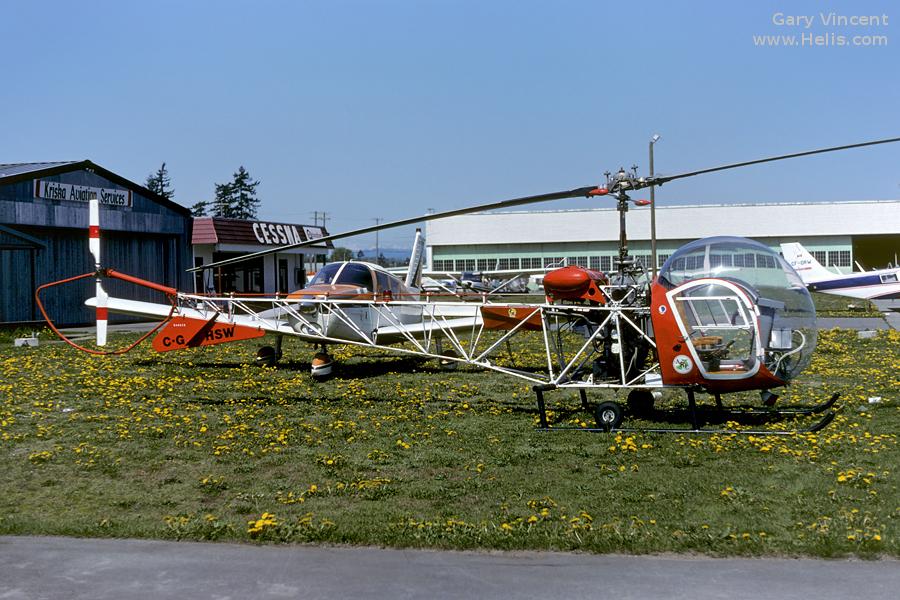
(386, 109)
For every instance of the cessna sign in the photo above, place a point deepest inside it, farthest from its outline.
(237, 232)
(54, 190)
(279, 234)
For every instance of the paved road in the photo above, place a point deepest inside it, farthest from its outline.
(891, 311)
(48, 567)
(858, 323)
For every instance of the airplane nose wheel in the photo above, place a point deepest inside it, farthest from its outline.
(321, 365)
(608, 415)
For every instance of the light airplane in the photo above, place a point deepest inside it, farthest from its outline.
(348, 301)
(878, 284)
(723, 315)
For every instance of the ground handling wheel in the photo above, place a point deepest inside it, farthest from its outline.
(447, 363)
(267, 356)
(608, 415)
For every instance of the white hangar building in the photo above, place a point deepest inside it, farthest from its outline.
(838, 234)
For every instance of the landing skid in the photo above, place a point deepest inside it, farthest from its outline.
(786, 411)
(609, 418)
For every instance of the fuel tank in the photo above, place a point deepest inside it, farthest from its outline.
(575, 283)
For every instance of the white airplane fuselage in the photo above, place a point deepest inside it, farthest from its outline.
(878, 284)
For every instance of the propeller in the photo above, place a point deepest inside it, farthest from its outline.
(94, 245)
(618, 184)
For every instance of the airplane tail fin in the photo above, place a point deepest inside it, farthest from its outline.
(416, 261)
(804, 263)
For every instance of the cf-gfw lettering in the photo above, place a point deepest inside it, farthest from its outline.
(215, 334)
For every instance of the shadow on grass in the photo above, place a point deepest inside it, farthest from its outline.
(677, 418)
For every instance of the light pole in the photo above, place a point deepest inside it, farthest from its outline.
(653, 140)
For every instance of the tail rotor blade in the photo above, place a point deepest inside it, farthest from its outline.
(102, 302)
(94, 246)
(94, 231)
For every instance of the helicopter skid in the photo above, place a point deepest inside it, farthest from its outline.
(787, 410)
(693, 416)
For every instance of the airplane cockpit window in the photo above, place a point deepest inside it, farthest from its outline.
(786, 314)
(384, 283)
(356, 274)
(326, 274)
(396, 288)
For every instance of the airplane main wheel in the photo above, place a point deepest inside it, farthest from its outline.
(608, 415)
(640, 402)
(266, 356)
(448, 364)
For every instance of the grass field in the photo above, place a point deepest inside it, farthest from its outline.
(830, 305)
(203, 445)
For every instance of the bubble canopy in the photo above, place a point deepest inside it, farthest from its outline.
(786, 314)
(732, 258)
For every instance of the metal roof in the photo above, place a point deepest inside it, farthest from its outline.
(15, 172)
(10, 169)
(218, 230)
(811, 219)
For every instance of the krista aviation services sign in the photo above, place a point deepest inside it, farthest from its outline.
(54, 190)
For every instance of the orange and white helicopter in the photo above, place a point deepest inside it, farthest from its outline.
(724, 315)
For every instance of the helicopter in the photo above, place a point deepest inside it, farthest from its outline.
(723, 315)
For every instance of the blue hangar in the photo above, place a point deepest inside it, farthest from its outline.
(44, 232)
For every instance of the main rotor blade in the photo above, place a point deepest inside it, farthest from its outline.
(661, 180)
(582, 191)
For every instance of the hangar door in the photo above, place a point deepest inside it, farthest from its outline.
(17, 281)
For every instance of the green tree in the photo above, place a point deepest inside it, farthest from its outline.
(223, 204)
(244, 189)
(160, 183)
(200, 208)
(341, 254)
(237, 199)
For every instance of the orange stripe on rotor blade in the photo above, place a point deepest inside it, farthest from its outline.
(102, 313)
(94, 231)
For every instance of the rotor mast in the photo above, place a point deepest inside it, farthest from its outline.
(617, 186)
